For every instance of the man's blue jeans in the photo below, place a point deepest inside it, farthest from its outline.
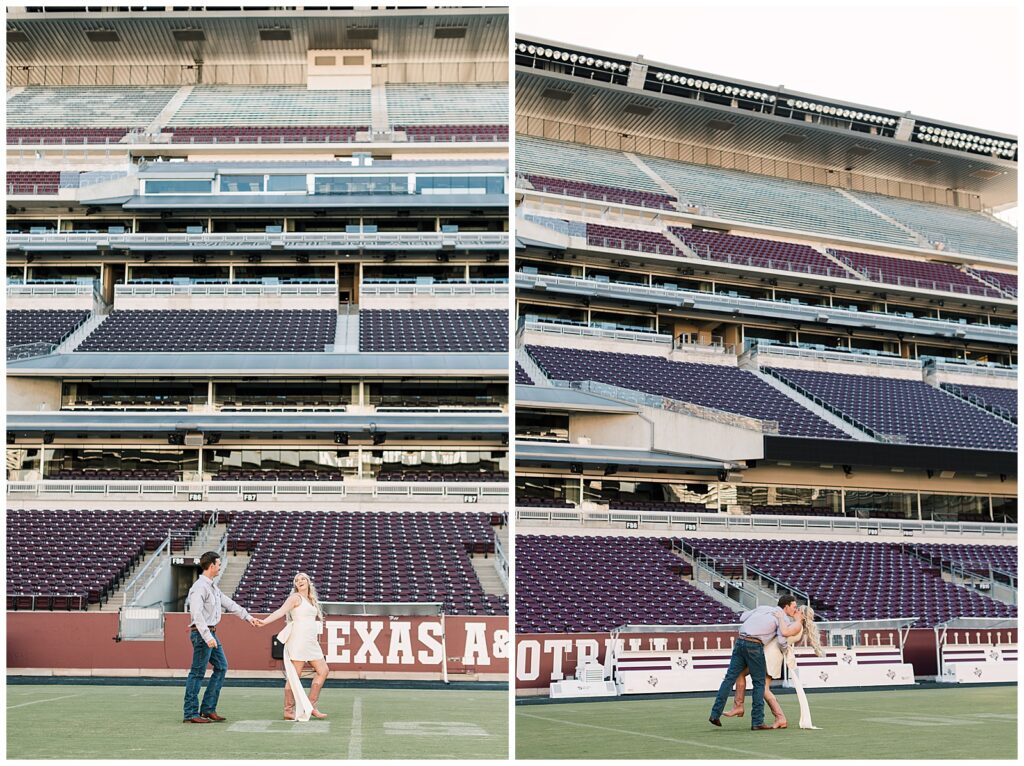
(202, 655)
(745, 654)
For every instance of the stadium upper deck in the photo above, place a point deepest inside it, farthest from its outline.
(737, 304)
(278, 246)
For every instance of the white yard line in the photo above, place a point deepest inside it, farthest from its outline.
(694, 743)
(36, 702)
(355, 740)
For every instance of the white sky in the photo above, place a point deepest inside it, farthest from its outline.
(959, 64)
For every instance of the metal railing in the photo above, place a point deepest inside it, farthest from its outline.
(674, 405)
(30, 350)
(872, 274)
(717, 523)
(435, 289)
(501, 561)
(225, 289)
(728, 301)
(299, 240)
(705, 253)
(135, 587)
(636, 199)
(808, 351)
(243, 490)
(51, 288)
(561, 328)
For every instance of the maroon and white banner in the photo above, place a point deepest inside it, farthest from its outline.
(544, 658)
(472, 645)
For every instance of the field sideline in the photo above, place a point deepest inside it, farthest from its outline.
(144, 722)
(959, 722)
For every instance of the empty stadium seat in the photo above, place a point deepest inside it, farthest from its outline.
(567, 584)
(908, 411)
(362, 556)
(522, 379)
(80, 557)
(174, 330)
(42, 325)
(718, 386)
(433, 330)
(856, 581)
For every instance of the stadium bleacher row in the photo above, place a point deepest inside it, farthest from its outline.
(856, 581)
(33, 181)
(442, 475)
(903, 411)
(733, 195)
(250, 114)
(908, 411)
(717, 386)
(79, 558)
(1002, 401)
(42, 325)
(584, 584)
(173, 330)
(925, 275)
(522, 378)
(433, 330)
(362, 556)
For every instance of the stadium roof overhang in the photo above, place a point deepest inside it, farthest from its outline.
(395, 35)
(634, 113)
(568, 400)
(235, 422)
(888, 456)
(544, 453)
(326, 202)
(263, 364)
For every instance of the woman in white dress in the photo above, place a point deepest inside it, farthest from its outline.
(301, 645)
(773, 659)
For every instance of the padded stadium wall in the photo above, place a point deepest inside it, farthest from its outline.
(367, 647)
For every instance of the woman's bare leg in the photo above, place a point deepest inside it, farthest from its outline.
(289, 702)
(773, 705)
(318, 683)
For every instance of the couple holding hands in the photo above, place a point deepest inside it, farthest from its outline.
(206, 604)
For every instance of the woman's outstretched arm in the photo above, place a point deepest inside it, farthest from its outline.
(293, 601)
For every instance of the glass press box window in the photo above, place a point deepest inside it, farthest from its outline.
(178, 186)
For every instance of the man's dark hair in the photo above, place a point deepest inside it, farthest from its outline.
(208, 559)
(786, 600)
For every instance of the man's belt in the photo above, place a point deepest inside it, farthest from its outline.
(194, 629)
(751, 638)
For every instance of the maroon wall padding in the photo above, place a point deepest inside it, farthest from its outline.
(536, 653)
(77, 640)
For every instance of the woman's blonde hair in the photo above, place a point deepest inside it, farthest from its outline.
(811, 631)
(312, 594)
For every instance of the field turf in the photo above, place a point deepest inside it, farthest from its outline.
(144, 722)
(946, 723)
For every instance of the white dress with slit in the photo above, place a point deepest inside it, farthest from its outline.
(301, 642)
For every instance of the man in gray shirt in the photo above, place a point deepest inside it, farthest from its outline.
(205, 603)
(757, 627)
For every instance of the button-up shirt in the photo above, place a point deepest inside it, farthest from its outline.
(205, 602)
(761, 623)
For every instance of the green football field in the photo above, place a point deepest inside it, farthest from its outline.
(143, 722)
(979, 722)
